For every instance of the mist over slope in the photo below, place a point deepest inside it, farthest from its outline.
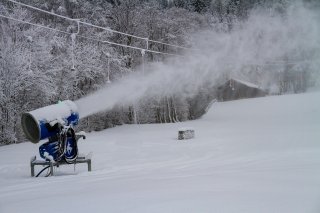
(266, 47)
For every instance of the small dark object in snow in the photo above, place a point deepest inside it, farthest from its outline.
(185, 133)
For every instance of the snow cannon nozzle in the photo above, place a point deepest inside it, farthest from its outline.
(46, 122)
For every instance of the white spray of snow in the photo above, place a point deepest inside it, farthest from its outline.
(266, 40)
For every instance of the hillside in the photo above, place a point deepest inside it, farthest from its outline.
(257, 155)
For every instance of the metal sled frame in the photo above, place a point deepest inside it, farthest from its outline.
(80, 159)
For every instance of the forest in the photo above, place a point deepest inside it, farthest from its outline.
(40, 66)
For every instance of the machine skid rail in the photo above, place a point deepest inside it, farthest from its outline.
(80, 159)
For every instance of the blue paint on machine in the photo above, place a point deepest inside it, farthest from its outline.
(64, 147)
(46, 131)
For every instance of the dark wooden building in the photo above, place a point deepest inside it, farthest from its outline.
(234, 89)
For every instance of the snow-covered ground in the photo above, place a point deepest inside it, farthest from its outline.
(257, 155)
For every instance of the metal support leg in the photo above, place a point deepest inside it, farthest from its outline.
(32, 170)
(32, 165)
(51, 168)
(89, 165)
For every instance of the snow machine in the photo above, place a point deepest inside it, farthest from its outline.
(43, 123)
(55, 123)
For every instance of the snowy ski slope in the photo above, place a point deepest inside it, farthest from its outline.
(257, 155)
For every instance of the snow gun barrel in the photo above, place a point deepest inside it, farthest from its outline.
(43, 123)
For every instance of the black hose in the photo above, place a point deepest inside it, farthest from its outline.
(48, 173)
(43, 170)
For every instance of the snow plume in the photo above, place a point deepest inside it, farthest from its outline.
(266, 46)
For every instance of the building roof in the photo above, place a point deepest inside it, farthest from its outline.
(249, 84)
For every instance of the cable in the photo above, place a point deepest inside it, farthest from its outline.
(279, 63)
(138, 37)
(134, 36)
(96, 26)
(40, 10)
(90, 38)
(132, 47)
(47, 167)
(172, 45)
(70, 19)
(289, 62)
(142, 49)
(110, 30)
(37, 25)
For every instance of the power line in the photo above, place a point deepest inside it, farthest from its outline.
(123, 45)
(90, 38)
(269, 63)
(280, 63)
(33, 24)
(172, 45)
(40, 10)
(99, 27)
(134, 36)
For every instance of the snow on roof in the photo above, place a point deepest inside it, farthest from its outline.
(249, 84)
(185, 128)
